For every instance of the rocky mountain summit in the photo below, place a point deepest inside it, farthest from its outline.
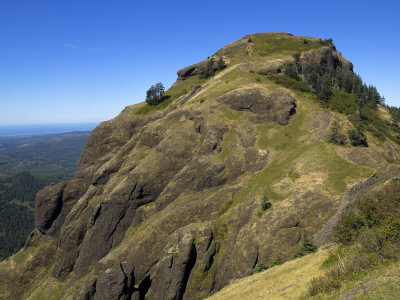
(166, 200)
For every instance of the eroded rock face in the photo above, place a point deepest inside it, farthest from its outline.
(193, 245)
(277, 105)
(48, 206)
(326, 57)
(196, 69)
(118, 188)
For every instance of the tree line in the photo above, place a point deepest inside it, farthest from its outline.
(322, 80)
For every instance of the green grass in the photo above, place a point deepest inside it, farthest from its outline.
(289, 148)
(342, 102)
(20, 257)
(282, 44)
(174, 92)
(293, 174)
(230, 138)
(288, 82)
(340, 171)
(235, 79)
(55, 293)
(345, 103)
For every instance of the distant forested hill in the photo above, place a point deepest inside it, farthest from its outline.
(51, 154)
(17, 202)
(27, 164)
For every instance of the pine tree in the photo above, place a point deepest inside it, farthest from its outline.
(325, 87)
(265, 204)
(221, 64)
(154, 94)
(209, 71)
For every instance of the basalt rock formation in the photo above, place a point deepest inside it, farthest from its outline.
(166, 201)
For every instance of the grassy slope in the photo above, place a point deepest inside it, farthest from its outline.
(381, 283)
(290, 281)
(286, 281)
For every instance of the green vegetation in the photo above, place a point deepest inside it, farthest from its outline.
(50, 154)
(265, 204)
(325, 42)
(282, 44)
(277, 261)
(221, 64)
(293, 174)
(211, 69)
(335, 135)
(307, 247)
(259, 268)
(51, 158)
(360, 103)
(322, 80)
(17, 197)
(357, 137)
(155, 94)
(370, 235)
(174, 92)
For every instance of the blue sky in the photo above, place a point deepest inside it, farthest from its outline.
(84, 61)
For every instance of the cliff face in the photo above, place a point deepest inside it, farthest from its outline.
(166, 201)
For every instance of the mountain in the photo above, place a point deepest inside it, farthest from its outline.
(242, 166)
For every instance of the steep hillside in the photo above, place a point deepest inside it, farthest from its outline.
(233, 170)
(362, 265)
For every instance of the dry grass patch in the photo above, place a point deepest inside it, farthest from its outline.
(287, 281)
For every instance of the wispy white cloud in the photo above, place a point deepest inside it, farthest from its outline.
(72, 46)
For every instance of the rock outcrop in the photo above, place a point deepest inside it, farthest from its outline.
(326, 57)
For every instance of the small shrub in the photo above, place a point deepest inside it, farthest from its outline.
(259, 268)
(368, 207)
(323, 284)
(291, 71)
(265, 204)
(306, 248)
(278, 261)
(332, 258)
(390, 228)
(348, 228)
(221, 64)
(370, 240)
(335, 136)
(357, 137)
(293, 174)
(388, 159)
(249, 40)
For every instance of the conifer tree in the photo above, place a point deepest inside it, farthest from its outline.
(209, 68)
(221, 64)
